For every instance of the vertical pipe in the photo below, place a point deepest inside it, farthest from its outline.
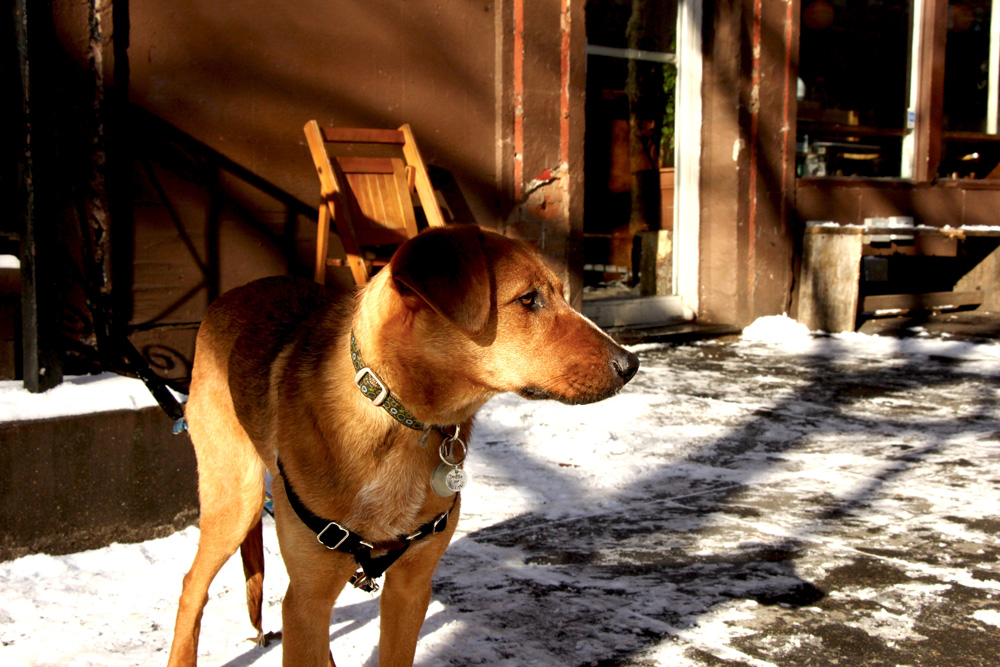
(565, 24)
(754, 147)
(930, 89)
(95, 218)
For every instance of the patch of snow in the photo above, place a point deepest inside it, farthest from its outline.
(987, 616)
(793, 338)
(895, 221)
(775, 329)
(77, 395)
(980, 228)
(890, 628)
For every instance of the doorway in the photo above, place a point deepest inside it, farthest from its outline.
(630, 152)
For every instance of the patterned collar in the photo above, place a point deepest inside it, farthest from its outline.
(374, 389)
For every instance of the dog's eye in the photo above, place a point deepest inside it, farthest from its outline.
(529, 299)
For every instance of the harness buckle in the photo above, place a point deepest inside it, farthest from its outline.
(334, 524)
(433, 528)
(437, 521)
(383, 390)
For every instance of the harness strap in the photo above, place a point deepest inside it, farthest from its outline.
(336, 537)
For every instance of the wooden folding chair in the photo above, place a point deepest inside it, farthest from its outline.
(367, 178)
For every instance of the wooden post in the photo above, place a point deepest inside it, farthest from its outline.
(546, 162)
(930, 91)
(656, 272)
(831, 269)
(37, 176)
(106, 202)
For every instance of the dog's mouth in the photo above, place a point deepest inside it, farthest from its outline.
(536, 394)
(588, 384)
(581, 398)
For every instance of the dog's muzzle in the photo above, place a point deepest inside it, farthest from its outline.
(626, 364)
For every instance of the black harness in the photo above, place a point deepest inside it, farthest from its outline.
(336, 537)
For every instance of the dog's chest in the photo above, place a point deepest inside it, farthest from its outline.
(389, 502)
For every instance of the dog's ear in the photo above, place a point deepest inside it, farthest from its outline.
(447, 269)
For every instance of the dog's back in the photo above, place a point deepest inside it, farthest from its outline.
(246, 329)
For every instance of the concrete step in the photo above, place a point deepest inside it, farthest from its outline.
(636, 311)
(684, 332)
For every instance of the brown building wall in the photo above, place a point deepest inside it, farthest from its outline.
(748, 226)
(541, 127)
(753, 207)
(225, 183)
(225, 189)
(243, 78)
(747, 173)
(721, 164)
(772, 135)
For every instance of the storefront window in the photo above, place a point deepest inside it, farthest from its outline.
(854, 67)
(971, 149)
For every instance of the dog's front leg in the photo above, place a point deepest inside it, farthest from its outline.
(305, 633)
(316, 577)
(305, 610)
(405, 597)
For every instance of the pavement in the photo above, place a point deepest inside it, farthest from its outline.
(831, 510)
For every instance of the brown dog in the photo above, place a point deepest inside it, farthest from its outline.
(458, 316)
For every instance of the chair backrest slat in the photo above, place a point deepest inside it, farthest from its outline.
(366, 165)
(358, 135)
(366, 176)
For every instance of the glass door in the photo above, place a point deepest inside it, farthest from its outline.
(630, 147)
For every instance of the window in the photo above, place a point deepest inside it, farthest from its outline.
(854, 63)
(879, 96)
(969, 121)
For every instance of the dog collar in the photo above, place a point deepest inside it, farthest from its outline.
(375, 390)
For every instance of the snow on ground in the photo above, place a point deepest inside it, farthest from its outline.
(77, 395)
(786, 499)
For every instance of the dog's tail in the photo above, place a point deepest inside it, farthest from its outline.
(252, 553)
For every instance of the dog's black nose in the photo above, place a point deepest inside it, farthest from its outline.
(626, 364)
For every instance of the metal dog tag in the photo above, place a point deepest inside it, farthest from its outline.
(456, 479)
(448, 478)
(439, 480)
